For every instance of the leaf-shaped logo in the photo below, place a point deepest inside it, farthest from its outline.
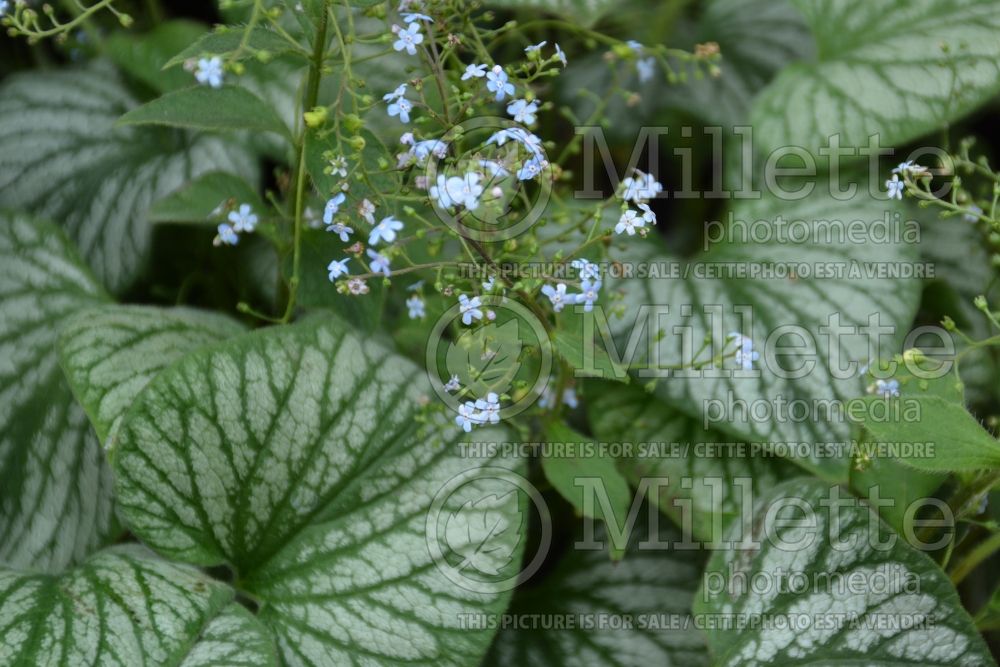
(485, 534)
(487, 358)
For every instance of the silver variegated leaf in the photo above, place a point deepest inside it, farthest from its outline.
(55, 487)
(62, 156)
(300, 457)
(111, 352)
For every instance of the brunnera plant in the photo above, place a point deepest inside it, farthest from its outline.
(321, 345)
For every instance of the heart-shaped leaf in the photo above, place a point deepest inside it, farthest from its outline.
(301, 458)
(832, 590)
(110, 353)
(486, 358)
(55, 488)
(696, 476)
(629, 614)
(899, 70)
(808, 292)
(62, 156)
(124, 606)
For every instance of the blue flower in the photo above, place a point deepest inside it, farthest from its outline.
(531, 168)
(470, 309)
(332, 206)
(745, 354)
(468, 417)
(227, 235)
(526, 139)
(535, 47)
(466, 190)
(401, 108)
(379, 263)
(496, 82)
(439, 191)
(489, 409)
(490, 284)
(474, 72)
(523, 111)
(410, 17)
(395, 95)
(209, 72)
(408, 38)
(887, 389)
(588, 270)
(385, 231)
(416, 307)
(635, 46)
(641, 187)
(453, 384)
(646, 68)
(243, 220)
(557, 295)
(896, 187)
(561, 56)
(342, 230)
(647, 214)
(338, 268)
(424, 149)
(589, 294)
(570, 399)
(629, 222)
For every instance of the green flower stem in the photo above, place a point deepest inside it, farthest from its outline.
(301, 176)
(981, 552)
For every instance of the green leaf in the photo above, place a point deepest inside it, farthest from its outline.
(649, 593)
(55, 487)
(62, 156)
(954, 439)
(486, 358)
(143, 56)
(205, 108)
(234, 638)
(196, 202)
(123, 606)
(300, 457)
(226, 40)
(110, 353)
(832, 623)
(806, 301)
(756, 38)
(582, 352)
(575, 458)
(706, 477)
(585, 12)
(897, 69)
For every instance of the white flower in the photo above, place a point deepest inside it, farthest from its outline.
(338, 166)
(357, 286)
(468, 416)
(629, 222)
(366, 210)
